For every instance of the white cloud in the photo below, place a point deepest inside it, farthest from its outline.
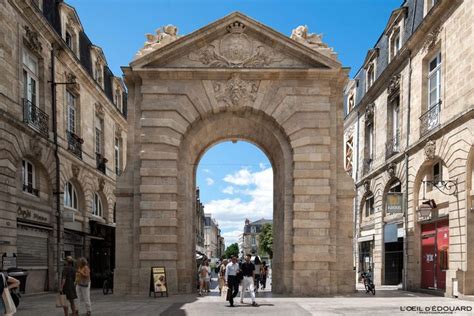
(262, 165)
(253, 201)
(228, 190)
(209, 181)
(207, 171)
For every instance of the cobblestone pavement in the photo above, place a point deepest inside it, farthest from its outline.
(387, 301)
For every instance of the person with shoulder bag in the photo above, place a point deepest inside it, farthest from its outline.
(67, 287)
(83, 284)
(7, 305)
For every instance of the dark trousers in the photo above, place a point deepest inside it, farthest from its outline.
(233, 284)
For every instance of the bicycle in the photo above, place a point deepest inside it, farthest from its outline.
(368, 284)
(108, 284)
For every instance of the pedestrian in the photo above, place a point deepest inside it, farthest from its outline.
(6, 284)
(67, 287)
(263, 275)
(258, 263)
(222, 275)
(83, 284)
(203, 274)
(231, 280)
(208, 277)
(248, 270)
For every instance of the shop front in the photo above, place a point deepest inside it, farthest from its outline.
(393, 254)
(74, 244)
(434, 254)
(34, 234)
(102, 251)
(366, 253)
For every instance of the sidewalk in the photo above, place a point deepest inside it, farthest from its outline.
(385, 302)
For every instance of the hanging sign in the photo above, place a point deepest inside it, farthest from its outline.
(158, 281)
(394, 202)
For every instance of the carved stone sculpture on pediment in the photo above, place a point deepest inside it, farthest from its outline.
(236, 50)
(394, 85)
(391, 168)
(367, 185)
(99, 110)
(369, 113)
(236, 91)
(75, 170)
(101, 184)
(430, 149)
(430, 39)
(35, 147)
(164, 35)
(31, 40)
(315, 41)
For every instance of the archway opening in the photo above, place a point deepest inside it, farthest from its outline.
(234, 212)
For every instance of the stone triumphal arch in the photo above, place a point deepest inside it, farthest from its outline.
(235, 79)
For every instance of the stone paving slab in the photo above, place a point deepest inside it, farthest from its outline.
(386, 302)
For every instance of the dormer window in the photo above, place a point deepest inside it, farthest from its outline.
(395, 44)
(394, 31)
(98, 73)
(118, 99)
(370, 76)
(69, 39)
(351, 102)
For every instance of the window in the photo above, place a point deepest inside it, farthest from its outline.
(370, 141)
(369, 206)
(253, 229)
(350, 103)
(370, 76)
(71, 112)
(70, 196)
(99, 135)
(394, 125)
(97, 209)
(437, 173)
(395, 43)
(98, 72)
(118, 99)
(253, 241)
(69, 40)
(431, 4)
(30, 77)
(434, 81)
(117, 151)
(349, 153)
(28, 177)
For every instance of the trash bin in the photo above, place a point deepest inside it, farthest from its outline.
(20, 275)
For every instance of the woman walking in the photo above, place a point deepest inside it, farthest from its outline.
(222, 275)
(67, 285)
(263, 274)
(6, 284)
(203, 276)
(83, 284)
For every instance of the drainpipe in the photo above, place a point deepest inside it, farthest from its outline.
(356, 200)
(405, 217)
(57, 189)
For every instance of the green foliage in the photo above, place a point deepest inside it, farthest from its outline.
(232, 250)
(265, 239)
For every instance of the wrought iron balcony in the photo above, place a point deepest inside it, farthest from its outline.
(393, 145)
(29, 188)
(101, 162)
(430, 119)
(367, 165)
(35, 118)
(75, 144)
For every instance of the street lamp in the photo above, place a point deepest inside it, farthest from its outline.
(426, 207)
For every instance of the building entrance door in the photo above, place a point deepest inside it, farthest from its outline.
(434, 254)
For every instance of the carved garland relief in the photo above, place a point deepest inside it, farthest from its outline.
(236, 91)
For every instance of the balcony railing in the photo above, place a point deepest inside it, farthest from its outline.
(75, 144)
(101, 162)
(430, 119)
(29, 188)
(35, 118)
(393, 145)
(367, 165)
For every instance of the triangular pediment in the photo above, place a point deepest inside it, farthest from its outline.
(235, 41)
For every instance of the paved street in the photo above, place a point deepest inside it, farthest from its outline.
(387, 301)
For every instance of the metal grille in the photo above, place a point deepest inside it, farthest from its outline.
(35, 118)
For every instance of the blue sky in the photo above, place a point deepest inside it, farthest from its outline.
(235, 179)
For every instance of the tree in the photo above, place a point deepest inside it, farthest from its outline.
(265, 239)
(232, 250)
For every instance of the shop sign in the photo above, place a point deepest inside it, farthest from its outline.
(68, 216)
(32, 215)
(8, 261)
(394, 202)
(158, 281)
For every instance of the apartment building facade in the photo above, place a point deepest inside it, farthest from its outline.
(63, 133)
(408, 144)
